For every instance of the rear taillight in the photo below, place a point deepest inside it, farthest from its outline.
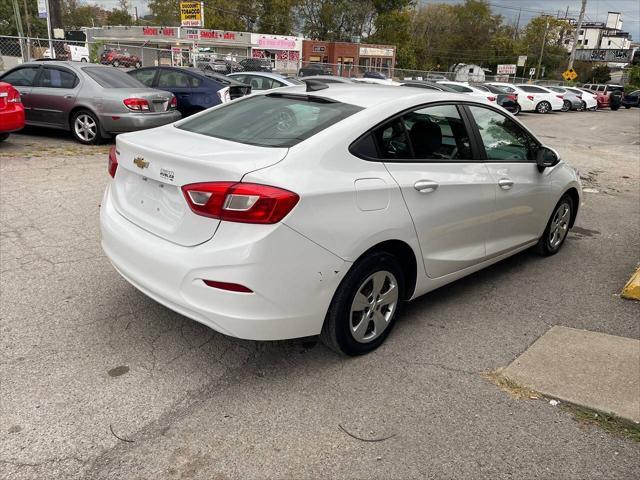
(231, 287)
(240, 202)
(491, 99)
(113, 161)
(512, 97)
(14, 96)
(173, 103)
(560, 96)
(136, 104)
(530, 97)
(224, 95)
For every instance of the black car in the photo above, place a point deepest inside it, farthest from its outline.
(314, 69)
(194, 89)
(221, 66)
(371, 74)
(256, 65)
(631, 99)
(508, 101)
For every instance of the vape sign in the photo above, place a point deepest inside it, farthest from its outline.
(192, 14)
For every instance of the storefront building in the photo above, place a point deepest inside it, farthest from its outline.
(349, 59)
(284, 52)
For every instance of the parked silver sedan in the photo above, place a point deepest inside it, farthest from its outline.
(92, 101)
(571, 100)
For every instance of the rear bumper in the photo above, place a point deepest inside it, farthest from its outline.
(293, 279)
(12, 118)
(130, 122)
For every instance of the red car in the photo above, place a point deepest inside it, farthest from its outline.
(119, 58)
(11, 110)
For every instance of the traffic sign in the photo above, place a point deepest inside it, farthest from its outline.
(569, 74)
(532, 72)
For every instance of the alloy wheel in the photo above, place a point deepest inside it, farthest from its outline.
(559, 225)
(566, 106)
(543, 107)
(85, 127)
(373, 306)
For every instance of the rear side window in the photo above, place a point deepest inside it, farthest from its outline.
(601, 88)
(55, 78)
(273, 120)
(144, 76)
(108, 77)
(175, 79)
(530, 89)
(22, 77)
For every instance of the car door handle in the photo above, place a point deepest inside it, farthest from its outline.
(426, 186)
(505, 183)
(68, 96)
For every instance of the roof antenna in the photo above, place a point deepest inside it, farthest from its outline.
(315, 85)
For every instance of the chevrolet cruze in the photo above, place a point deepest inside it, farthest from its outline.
(321, 209)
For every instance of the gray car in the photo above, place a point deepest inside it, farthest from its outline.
(571, 100)
(92, 101)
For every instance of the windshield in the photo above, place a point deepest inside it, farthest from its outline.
(274, 120)
(112, 78)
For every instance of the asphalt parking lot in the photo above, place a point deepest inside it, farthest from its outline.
(98, 381)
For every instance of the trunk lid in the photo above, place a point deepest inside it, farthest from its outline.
(154, 164)
(159, 100)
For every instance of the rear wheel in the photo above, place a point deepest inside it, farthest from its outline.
(85, 127)
(543, 107)
(583, 106)
(517, 110)
(3, 136)
(557, 229)
(365, 306)
(627, 107)
(566, 106)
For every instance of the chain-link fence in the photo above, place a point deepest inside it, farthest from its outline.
(15, 50)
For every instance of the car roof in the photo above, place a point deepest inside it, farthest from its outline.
(276, 76)
(331, 78)
(369, 95)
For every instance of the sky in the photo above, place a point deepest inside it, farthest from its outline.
(596, 9)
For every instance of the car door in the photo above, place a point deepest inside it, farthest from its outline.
(23, 79)
(54, 95)
(447, 189)
(521, 191)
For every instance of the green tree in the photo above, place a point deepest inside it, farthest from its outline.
(37, 26)
(634, 76)
(120, 16)
(555, 56)
(600, 74)
(276, 16)
(76, 15)
(165, 12)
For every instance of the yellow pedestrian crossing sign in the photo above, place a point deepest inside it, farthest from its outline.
(570, 74)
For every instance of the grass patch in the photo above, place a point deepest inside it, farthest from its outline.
(608, 422)
(513, 389)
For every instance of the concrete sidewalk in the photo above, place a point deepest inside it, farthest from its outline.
(592, 370)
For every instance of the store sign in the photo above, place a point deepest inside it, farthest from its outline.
(376, 52)
(217, 35)
(160, 32)
(190, 34)
(191, 14)
(42, 8)
(605, 55)
(509, 69)
(319, 49)
(276, 43)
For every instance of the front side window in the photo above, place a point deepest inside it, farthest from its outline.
(438, 133)
(273, 120)
(144, 76)
(22, 77)
(55, 78)
(503, 138)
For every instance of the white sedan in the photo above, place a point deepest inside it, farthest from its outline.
(325, 219)
(589, 99)
(470, 90)
(545, 100)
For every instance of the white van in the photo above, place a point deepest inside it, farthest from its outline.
(75, 53)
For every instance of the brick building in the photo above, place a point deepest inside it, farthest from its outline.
(349, 59)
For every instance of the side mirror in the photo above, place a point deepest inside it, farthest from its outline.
(546, 157)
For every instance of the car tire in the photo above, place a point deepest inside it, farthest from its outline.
(557, 228)
(566, 106)
(85, 128)
(377, 275)
(627, 107)
(138, 65)
(543, 107)
(583, 106)
(614, 108)
(3, 136)
(116, 63)
(518, 109)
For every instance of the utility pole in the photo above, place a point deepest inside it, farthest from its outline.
(516, 33)
(576, 34)
(16, 12)
(26, 17)
(544, 41)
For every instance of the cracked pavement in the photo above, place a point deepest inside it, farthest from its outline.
(82, 353)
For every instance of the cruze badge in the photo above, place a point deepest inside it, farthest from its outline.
(140, 163)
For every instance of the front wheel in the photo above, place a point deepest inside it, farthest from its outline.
(543, 107)
(365, 306)
(557, 229)
(85, 128)
(627, 107)
(566, 106)
(116, 63)
(3, 136)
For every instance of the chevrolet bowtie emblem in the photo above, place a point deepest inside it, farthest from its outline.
(140, 163)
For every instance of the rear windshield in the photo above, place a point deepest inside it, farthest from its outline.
(112, 78)
(274, 120)
(458, 88)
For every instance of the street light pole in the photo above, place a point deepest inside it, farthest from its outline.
(576, 34)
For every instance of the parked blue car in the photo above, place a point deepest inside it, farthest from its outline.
(195, 90)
